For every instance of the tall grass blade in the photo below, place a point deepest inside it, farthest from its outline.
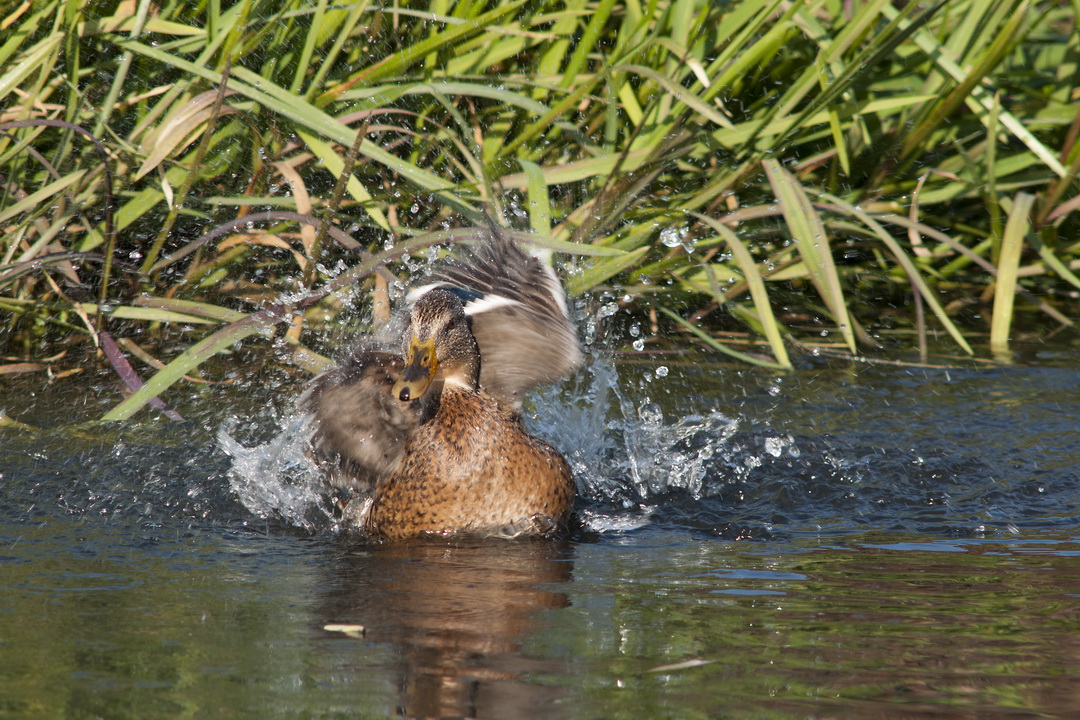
(603, 270)
(813, 242)
(756, 284)
(711, 342)
(1012, 245)
(185, 362)
(979, 100)
(539, 203)
(129, 376)
(912, 272)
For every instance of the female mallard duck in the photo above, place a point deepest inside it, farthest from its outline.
(429, 440)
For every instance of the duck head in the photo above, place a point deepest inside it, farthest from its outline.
(439, 345)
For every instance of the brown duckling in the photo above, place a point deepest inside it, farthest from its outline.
(430, 440)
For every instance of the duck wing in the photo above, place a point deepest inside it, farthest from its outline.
(360, 428)
(518, 312)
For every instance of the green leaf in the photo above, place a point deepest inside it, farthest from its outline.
(1012, 244)
(715, 345)
(757, 289)
(813, 242)
(539, 203)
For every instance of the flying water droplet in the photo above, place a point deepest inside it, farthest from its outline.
(670, 237)
(608, 309)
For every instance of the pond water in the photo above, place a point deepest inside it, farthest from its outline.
(847, 541)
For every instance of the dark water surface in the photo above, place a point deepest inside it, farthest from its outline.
(844, 542)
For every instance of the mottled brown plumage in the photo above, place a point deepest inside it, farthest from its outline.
(430, 441)
(473, 468)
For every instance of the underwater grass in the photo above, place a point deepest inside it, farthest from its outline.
(793, 171)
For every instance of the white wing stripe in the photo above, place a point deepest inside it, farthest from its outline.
(489, 302)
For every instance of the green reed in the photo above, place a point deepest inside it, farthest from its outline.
(783, 170)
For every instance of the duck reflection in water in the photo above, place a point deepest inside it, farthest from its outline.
(420, 431)
(457, 617)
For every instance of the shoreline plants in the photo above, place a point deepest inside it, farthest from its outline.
(178, 177)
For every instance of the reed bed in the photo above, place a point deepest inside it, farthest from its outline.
(759, 178)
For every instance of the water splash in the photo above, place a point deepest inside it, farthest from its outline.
(637, 461)
(627, 459)
(622, 449)
(277, 479)
(624, 456)
(660, 458)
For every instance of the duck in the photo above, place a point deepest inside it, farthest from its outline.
(419, 431)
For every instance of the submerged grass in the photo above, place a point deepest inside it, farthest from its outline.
(790, 169)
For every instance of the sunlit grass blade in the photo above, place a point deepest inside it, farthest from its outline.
(587, 43)
(30, 63)
(593, 167)
(190, 359)
(128, 375)
(398, 62)
(813, 242)
(978, 99)
(756, 284)
(179, 130)
(191, 308)
(601, 270)
(913, 275)
(1057, 266)
(539, 203)
(1012, 244)
(550, 242)
(711, 342)
(37, 198)
(681, 94)
(148, 314)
